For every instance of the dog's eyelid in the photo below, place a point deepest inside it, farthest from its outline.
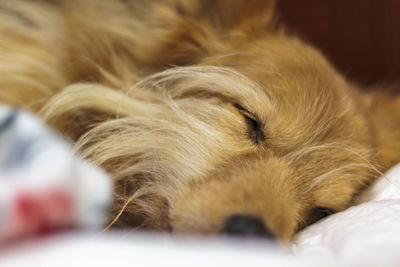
(317, 213)
(325, 210)
(256, 133)
(245, 112)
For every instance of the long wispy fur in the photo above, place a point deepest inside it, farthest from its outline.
(198, 110)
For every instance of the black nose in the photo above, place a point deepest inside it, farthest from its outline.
(248, 226)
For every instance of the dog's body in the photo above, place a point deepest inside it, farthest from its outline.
(252, 127)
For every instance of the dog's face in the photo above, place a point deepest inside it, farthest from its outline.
(265, 146)
(259, 135)
(293, 147)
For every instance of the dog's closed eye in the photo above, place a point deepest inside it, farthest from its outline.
(256, 133)
(314, 215)
(319, 213)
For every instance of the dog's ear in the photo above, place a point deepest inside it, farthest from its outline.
(80, 107)
(198, 28)
(245, 15)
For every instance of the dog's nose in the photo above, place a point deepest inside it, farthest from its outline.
(246, 226)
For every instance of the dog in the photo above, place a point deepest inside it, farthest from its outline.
(208, 115)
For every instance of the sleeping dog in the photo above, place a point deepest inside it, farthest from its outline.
(208, 115)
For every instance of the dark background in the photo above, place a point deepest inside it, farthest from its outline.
(360, 37)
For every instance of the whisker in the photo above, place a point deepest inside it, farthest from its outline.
(142, 191)
(296, 156)
(342, 169)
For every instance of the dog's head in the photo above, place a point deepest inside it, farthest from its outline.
(263, 156)
(258, 136)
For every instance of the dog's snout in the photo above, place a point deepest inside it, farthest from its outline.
(246, 226)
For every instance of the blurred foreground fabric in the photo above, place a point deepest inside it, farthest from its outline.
(43, 186)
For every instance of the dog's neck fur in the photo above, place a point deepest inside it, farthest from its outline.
(384, 112)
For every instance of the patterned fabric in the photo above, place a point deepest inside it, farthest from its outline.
(43, 186)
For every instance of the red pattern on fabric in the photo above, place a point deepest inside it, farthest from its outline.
(42, 212)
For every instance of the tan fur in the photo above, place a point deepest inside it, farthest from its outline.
(150, 91)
